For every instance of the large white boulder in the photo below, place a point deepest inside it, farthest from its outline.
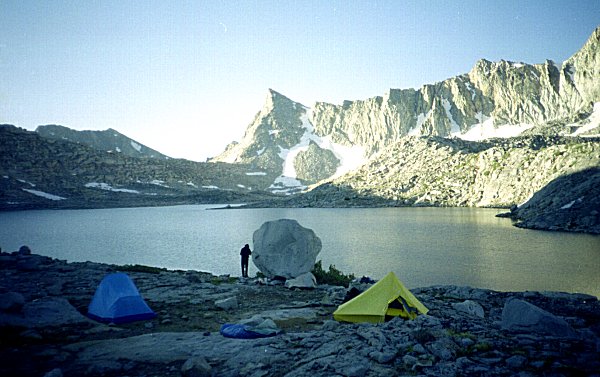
(285, 248)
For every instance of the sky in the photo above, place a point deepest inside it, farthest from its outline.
(187, 77)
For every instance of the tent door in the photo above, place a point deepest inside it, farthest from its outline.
(400, 308)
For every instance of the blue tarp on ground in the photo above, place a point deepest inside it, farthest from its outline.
(118, 300)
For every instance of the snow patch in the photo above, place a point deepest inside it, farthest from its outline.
(570, 71)
(420, 120)
(455, 128)
(261, 151)
(471, 89)
(118, 149)
(24, 181)
(136, 146)
(158, 182)
(486, 129)
(592, 122)
(350, 157)
(107, 187)
(569, 205)
(44, 194)
(192, 184)
(211, 187)
(256, 173)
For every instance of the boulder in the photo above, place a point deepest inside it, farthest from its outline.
(44, 312)
(521, 316)
(56, 372)
(285, 248)
(24, 250)
(11, 302)
(469, 307)
(196, 366)
(306, 280)
(227, 303)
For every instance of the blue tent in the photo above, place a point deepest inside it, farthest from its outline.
(117, 300)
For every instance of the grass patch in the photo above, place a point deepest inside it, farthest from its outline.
(482, 347)
(460, 335)
(140, 268)
(217, 280)
(331, 277)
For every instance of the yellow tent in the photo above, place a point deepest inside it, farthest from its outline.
(387, 297)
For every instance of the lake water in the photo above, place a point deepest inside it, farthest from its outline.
(423, 246)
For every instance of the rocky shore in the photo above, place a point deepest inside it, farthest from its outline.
(468, 331)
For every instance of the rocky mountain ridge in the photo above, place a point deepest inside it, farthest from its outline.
(110, 140)
(493, 99)
(454, 172)
(38, 172)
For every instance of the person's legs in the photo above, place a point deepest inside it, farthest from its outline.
(244, 267)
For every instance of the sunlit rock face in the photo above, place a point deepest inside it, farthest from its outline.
(494, 99)
(438, 171)
(315, 164)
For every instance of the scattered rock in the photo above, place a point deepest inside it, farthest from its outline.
(229, 303)
(11, 302)
(306, 280)
(56, 372)
(196, 367)
(46, 311)
(447, 341)
(516, 362)
(469, 307)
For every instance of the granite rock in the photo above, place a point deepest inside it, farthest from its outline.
(284, 248)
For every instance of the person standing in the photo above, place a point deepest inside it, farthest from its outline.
(245, 253)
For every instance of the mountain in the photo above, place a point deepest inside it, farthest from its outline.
(282, 140)
(302, 145)
(38, 172)
(436, 171)
(108, 140)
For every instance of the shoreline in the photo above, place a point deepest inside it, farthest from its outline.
(467, 330)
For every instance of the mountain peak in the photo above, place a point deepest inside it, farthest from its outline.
(275, 98)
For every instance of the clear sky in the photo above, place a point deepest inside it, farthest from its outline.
(187, 77)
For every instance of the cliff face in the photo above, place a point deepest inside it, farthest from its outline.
(494, 99)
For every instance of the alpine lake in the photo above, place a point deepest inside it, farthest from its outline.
(423, 246)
